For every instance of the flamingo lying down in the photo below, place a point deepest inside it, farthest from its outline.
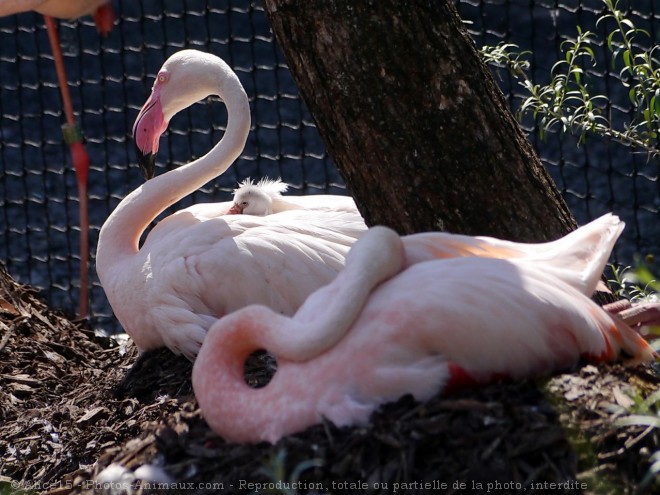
(381, 330)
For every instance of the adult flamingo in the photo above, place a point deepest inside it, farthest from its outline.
(104, 18)
(380, 331)
(197, 265)
(101, 10)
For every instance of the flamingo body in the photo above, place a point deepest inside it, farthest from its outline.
(428, 328)
(62, 9)
(189, 272)
(65, 9)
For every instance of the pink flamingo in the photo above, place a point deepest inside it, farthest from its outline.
(198, 264)
(104, 18)
(381, 330)
(101, 10)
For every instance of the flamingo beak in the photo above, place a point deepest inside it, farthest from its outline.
(149, 126)
(147, 162)
(235, 210)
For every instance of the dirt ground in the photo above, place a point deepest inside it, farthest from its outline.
(67, 413)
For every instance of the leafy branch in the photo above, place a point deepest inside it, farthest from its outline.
(567, 101)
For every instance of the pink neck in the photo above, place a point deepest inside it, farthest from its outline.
(121, 232)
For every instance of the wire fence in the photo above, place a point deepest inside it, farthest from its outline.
(110, 79)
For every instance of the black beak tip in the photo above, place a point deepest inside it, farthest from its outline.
(147, 162)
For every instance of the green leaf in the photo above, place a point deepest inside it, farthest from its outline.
(621, 73)
(589, 52)
(626, 59)
(576, 71)
(643, 31)
(628, 22)
(569, 55)
(609, 40)
(557, 64)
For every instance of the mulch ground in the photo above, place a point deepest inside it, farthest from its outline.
(71, 423)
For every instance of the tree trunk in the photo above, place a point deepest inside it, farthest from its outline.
(414, 119)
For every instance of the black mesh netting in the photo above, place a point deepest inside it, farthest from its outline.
(110, 79)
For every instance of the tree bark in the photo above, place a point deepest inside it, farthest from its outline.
(414, 119)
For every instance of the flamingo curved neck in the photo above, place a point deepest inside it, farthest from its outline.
(249, 416)
(122, 230)
(321, 323)
(329, 313)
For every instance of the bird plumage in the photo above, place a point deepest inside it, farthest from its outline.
(260, 198)
(415, 329)
(65, 9)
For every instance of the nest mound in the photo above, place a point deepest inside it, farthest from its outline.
(67, 413)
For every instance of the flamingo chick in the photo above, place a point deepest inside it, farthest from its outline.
(380, 331)
(265, 198)
(260, 199)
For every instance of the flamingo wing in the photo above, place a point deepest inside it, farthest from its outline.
(577, 258)
(210, 268)
(477, 320)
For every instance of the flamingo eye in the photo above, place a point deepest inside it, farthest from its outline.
(162, 77)
(244, 203)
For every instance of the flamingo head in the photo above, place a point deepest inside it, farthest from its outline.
(149, 126)
(185, 78)
(247, 203)
(251, 199)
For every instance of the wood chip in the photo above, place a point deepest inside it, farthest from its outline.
(93, 414)
(22, 378)
(623, 399)
(8, 307)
